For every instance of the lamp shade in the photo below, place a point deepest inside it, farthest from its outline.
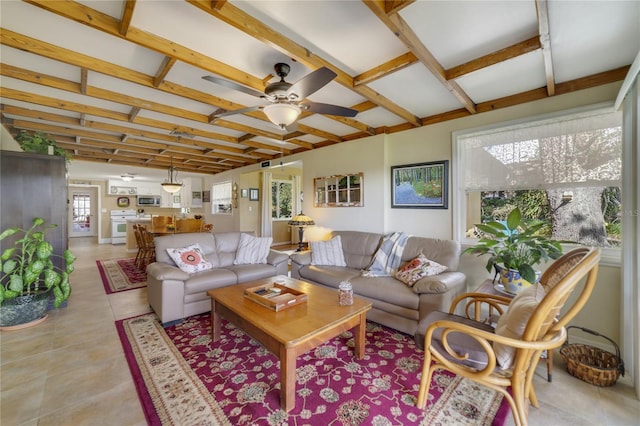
(301, 220)
(282, 114)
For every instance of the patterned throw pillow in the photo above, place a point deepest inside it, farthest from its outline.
(190, 259)
(327, 253)
(513, 322)
(252, 250)
(418, 268)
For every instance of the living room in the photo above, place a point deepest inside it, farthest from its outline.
(374, 156)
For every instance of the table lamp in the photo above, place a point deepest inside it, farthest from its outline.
(301, 221)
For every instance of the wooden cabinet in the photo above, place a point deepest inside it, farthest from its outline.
(180, 199)
(339, 191)
(34, 185)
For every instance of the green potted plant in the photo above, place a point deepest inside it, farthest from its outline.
(29, 275)
(515, 248)
(39, 142)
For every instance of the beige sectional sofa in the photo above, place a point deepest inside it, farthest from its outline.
(394, 304)
(174, 294)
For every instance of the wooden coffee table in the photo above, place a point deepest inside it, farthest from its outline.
(293, 331)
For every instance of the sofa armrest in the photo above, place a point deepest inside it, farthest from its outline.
(163, 271)
(298, 260)
(276, 257)
(440, 283)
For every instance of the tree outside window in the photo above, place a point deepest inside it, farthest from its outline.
(281, 199)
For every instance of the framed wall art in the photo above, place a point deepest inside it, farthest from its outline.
(254, 194)
(420, 186)
(244, 193)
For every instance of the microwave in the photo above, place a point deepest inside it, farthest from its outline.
(149, 200)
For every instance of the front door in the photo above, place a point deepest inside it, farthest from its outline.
(82, 211)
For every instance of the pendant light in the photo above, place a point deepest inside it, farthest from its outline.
(172, 184)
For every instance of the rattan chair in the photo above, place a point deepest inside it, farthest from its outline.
(467, 347)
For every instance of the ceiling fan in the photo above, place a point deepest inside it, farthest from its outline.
(287, 100)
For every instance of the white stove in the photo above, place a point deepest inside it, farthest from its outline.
(119, 225)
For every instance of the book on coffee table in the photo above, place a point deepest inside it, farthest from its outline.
(275, 296)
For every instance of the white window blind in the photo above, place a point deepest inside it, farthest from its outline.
(575, 150)
(221, 193)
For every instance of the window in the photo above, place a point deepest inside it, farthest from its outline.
(564, 170)
(281, 199)
(221, 198)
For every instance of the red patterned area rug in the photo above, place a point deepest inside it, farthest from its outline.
(183, 378)
(121, 275)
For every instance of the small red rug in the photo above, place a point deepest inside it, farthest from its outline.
(182, 377)
(121, 275)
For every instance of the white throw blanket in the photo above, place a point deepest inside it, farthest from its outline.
(388, 257)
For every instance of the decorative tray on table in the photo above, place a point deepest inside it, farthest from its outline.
(275, 296)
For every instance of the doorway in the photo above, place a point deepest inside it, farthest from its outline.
(83, 208)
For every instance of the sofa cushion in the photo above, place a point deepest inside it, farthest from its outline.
(251, 272)
(513, 322)
(226, 244)
(252, 250)
(387, 289)
(359, 247)
(330, 276)
(190, 259)
(204, 239)
(209, 279)
(328, 253)
(444, 252)
(418, 268)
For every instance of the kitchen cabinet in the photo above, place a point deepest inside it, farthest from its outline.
(339, 190)
(149, 188)
(120, 187)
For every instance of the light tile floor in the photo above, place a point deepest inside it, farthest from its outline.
(71, 369)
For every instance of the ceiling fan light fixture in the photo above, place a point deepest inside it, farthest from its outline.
(282, 114)
(126, 178)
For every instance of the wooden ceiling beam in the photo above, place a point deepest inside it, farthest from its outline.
(127, 14)
(545, 41)
(389, 67)
(255, 28)
(167, 63)
(513, 51)
(403, 31)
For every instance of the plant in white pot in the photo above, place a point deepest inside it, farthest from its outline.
(516, 249)
(29, 275)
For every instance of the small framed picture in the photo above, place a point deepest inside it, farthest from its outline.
(254, 194)
(244, 193)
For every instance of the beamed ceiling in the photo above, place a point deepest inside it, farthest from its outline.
(120, 82)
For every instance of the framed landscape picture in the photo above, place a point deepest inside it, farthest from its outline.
(420, 186)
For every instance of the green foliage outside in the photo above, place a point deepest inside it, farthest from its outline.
(534, 206)
(281, 199)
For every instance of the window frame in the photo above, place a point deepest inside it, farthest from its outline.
(287, 181)
(611, 256)
(216, 203)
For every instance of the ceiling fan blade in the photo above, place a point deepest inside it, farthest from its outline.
(236, 111)
(311, 82)
(320, 108)
(234, 86)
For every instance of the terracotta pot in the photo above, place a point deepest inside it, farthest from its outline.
(24, 309)
(513, 282)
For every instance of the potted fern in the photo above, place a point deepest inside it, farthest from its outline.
(29, 275)
(515, 248)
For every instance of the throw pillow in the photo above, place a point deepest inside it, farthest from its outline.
(513, 322)
(190, 259)
(327, 253)
(252, 250)
(418, 268)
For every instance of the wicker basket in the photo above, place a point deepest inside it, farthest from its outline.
(590, 364)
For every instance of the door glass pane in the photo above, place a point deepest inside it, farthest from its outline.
(81, 213)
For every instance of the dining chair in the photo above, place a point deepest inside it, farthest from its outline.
(148, 254)
(504, 357)
(161, 221)
(139, 243)
(188, 225)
